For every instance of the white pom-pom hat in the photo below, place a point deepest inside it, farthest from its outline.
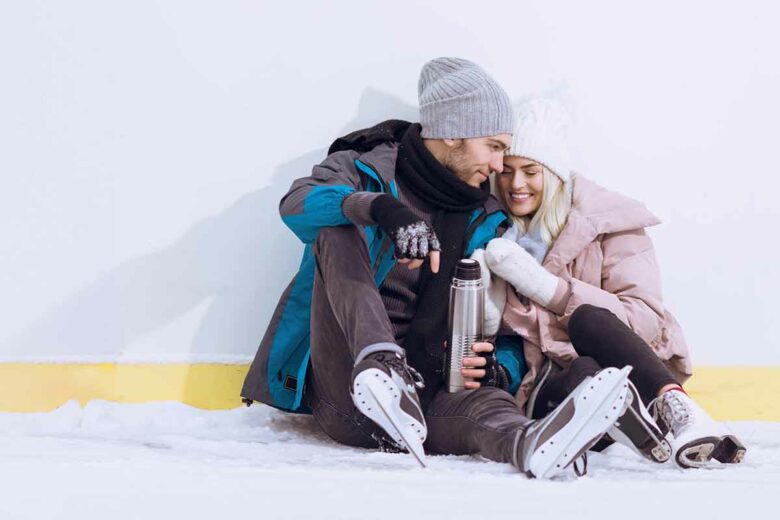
(541, 133)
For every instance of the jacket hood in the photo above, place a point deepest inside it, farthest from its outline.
(595, 211)
(608, 211)
(364, 140)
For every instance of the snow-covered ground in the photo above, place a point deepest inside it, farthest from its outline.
(168, 460)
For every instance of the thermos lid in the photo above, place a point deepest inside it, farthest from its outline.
(468, 269)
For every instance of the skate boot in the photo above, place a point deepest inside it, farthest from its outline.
(547, 446)
(384, 390)
(638, 430)
(697, 437)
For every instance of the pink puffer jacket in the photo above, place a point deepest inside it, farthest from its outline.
(605, 258)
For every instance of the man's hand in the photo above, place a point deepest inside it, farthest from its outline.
(484, 367)
(473, 367)
(413, 237)
(415, 242)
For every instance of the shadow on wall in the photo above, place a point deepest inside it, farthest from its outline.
(235, 265)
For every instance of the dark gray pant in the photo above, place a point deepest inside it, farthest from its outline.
(347, 315)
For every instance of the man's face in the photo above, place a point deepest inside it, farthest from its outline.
(473, 159)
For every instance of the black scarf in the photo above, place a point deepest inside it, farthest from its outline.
(455, 200)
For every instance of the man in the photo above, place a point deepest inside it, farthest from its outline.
(358, 336)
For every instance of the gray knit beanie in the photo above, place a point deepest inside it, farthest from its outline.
(459, 100)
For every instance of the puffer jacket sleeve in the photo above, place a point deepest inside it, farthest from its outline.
(315, 201)
(630, 285)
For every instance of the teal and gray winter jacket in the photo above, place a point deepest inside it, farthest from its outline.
(277, 374)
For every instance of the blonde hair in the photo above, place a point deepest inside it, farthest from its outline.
(549, 220)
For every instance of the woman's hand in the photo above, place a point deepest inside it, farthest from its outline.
(515, 265)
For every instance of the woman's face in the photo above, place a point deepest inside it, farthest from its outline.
(521, 185)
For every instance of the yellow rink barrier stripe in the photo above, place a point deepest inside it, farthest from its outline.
(728, 393)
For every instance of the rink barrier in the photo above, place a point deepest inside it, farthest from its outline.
(728, 393)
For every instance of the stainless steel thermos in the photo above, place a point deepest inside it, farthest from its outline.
(466, 320)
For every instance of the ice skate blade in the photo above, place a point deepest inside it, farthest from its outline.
(589, 412)
(404, 438)
(637, 430)
(697, 453)
(729, 450)
(379, 398)
(661, 452)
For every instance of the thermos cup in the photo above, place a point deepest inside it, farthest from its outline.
(466, 320)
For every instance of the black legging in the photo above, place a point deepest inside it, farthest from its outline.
(602, 340)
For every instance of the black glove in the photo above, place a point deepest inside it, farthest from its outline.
(495, 375)
(413, 237)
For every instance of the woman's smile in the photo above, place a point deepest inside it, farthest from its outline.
(520, 197)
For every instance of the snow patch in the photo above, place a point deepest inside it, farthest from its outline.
(154, 460)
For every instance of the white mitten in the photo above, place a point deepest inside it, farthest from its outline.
(495, 295)
(513, 263)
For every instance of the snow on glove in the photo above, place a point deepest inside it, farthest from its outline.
(495, 375)
(513, 263)
(495, 294)
(413, 237)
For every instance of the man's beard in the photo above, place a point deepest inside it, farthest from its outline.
(459, 164)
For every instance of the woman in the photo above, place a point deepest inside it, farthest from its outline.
(587, 294)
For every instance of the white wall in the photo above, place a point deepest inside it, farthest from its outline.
(144, 146)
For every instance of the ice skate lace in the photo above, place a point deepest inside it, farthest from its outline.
(386, 444)
(584, 470)
(398, 363)
(675, 412)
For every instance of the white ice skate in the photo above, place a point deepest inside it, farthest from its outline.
(697, 438)
(549, 445)
(384, 390)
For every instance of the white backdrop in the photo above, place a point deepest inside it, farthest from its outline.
(144, 147)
